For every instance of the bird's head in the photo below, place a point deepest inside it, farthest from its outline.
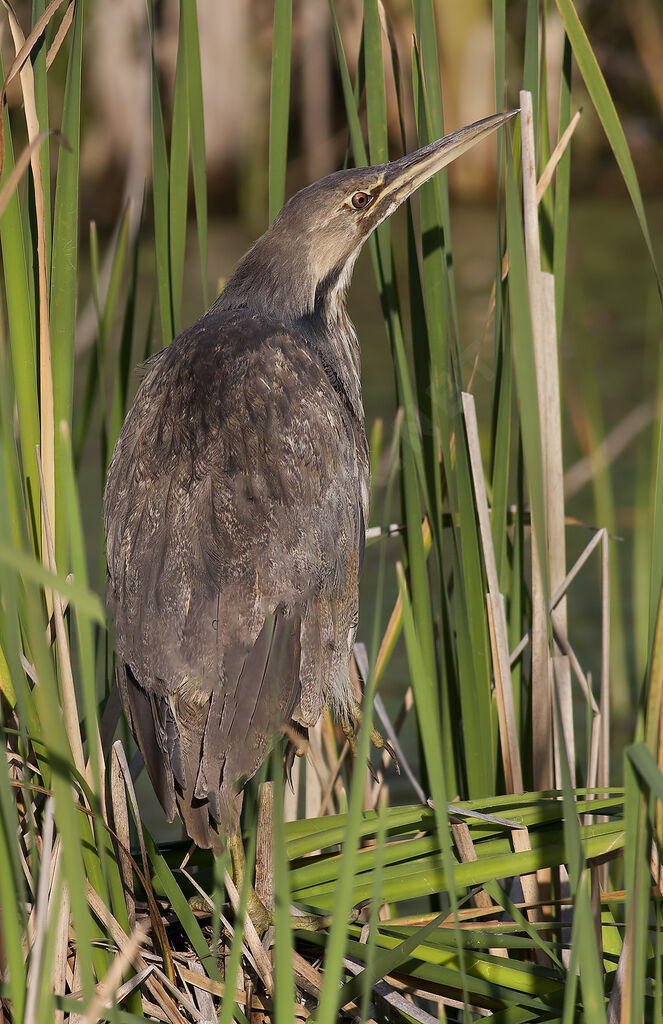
(305, 258)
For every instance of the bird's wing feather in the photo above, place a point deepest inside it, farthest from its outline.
(233, 534)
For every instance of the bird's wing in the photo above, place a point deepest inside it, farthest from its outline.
(233, 517)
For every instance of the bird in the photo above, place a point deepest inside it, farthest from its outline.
(237, 500)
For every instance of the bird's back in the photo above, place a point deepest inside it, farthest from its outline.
(234, 512)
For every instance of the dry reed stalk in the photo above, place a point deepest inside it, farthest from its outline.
(61, 949)
(106, 991)
(542, 717)
(604, 700)
(562, 677)
(499, 639)
(121, 826)
(534, 899)
(202, 997)
(563, 644)
(409, 987)
(221, 989)
(184, 1000)
(541, 186)
(155, 916)
(75, 985)
(333, 779)
(556, 156)
(541, 288)
(576, 567)
(22, 55)
(47, 425)
(69, 701)
(599, 743)
(50, 629)
(61, 34)
(604, 697)
(413, 991)
(121, 940)
(251, 938)
(264, 882)
(42, 908)
(468, 854)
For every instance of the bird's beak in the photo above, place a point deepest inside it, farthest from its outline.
(404, 176)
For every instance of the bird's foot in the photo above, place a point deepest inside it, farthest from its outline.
(350, 727)
(262, 918)
(255, 909)
(318, 922)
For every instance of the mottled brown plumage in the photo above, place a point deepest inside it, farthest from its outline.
(237, 498)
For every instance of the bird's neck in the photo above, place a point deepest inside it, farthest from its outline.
(314, 310)
(331, 333)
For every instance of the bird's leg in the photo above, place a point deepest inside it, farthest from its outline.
(262, 917)
(255, 908)
(350, 727)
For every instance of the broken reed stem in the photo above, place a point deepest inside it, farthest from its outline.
(542, 185)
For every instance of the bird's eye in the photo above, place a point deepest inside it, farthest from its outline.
(360, 200)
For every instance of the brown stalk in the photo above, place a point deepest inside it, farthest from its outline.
(251, 938)
(41, 911)
(122, 940)
(155, 916)
(542, 185)
(496, 613)
(21, 57)
(264, 884)
(121, 824)
(106, 990)
(468, 854)
(61, 950)
(541, 667)
(203, 999)
(61, 34)
(69, 702)
(221, 989)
